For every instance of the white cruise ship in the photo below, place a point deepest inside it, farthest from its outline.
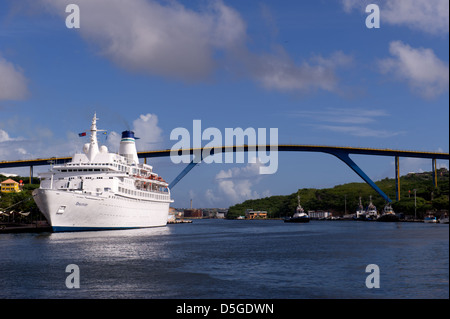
(101, 190)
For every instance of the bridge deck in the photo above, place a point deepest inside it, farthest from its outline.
(245, 148)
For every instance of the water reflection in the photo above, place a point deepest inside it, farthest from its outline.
(109, 244)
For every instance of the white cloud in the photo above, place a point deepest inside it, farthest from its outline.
(149, 133)
(430, 16)
(159, 39)
(13, 84)
(427, 15)
(349, 5)
(425, 73)
(10, 147)
(211, 198)
(278, 71)
(236, 184)
(361, 131)
(343, 115)
(173, 41)
(4, 136)
(351, 121)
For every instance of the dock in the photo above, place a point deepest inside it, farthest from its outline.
(179, 221)
(11, 228)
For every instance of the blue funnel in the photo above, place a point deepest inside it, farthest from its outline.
(129, 134)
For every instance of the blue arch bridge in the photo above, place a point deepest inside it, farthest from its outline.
(342, 153)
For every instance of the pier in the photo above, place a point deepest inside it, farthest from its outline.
(11, 228)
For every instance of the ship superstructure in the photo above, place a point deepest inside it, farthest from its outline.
(103, 190)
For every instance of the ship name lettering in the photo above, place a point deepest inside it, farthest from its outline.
(81, 204)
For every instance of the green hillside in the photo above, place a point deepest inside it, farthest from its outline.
(333, 199)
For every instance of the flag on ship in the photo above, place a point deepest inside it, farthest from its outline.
(82, 134)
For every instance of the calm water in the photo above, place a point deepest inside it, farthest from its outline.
(231, 259)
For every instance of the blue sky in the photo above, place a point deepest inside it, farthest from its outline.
(312, 69)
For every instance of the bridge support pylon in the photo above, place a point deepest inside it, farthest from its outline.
(186, 170)
(397, 178)
(434, 171)
(31, 175)
(344, 156)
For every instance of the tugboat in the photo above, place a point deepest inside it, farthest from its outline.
(360, 213)
(388, 215)
(371, 213)
(300, 216)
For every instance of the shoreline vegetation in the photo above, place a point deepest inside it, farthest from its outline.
(344, 199)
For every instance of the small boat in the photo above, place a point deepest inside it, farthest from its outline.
(430, 219)
(300, 216)
(360, 213)
(444, 219)
(371, 213)
(388, 215)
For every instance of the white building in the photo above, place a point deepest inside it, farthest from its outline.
(319, 214)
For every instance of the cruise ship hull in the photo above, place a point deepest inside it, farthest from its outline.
(70, 211)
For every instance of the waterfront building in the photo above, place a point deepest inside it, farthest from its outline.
(9, 186)
(221, 214)
(319, 214)
(251, 214)
(193, 213)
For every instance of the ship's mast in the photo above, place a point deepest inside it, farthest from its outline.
(299, 207)
(93, 148)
